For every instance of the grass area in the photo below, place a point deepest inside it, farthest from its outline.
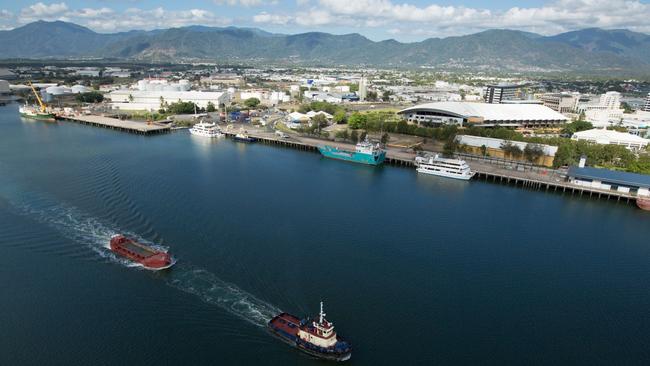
(280, 126)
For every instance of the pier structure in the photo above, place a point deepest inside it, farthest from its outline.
(141, 128)
(535, 178)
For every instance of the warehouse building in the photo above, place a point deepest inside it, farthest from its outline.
(608, 137)
(482, 114)
(609, 180)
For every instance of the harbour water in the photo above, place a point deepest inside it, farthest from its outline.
(413, 269)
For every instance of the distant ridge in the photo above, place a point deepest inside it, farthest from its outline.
(587, 50)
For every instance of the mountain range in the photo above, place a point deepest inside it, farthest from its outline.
(588, 50)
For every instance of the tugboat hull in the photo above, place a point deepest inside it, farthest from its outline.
(244, 139)
(285, 327)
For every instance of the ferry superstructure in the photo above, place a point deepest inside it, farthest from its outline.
(205, 129)
(365, 152)
(443, 167)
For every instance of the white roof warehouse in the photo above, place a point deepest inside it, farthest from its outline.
(483, 114)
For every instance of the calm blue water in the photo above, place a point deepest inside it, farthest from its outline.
(413, 270)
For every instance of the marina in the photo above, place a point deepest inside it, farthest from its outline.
(489, 170)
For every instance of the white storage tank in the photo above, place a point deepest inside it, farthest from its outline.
(55, 90)
(78, 89)
(4, 87)
(184, 85)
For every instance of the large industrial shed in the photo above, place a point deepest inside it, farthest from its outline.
(483, 114)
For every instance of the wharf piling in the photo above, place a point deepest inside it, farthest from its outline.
(141, 128)
(484, 171)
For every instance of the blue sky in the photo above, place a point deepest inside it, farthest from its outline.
(405, 20)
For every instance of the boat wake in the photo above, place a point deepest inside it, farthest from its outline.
(213, 290)
(84, 229)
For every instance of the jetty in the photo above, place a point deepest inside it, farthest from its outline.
(142, 128)
(507, 172)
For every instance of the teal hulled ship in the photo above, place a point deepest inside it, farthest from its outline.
(365, 153)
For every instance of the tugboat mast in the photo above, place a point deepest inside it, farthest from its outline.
(322, 314)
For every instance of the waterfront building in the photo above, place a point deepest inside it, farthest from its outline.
(495, 94)
(139, 100)
(610, 100)
(606, 179)
(489, 146)
(482, 114)
(646, 106)
(560, 102)
(604, 113)
(608, 137)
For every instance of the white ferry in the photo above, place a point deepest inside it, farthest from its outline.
(206, 130)
(450, 168)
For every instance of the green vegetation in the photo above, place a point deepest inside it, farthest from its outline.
(577, 126)
(252, 102)
(511, 150)
(532, 152)
(211, 108)
(182, 108)
(330, 108)
(90, 97)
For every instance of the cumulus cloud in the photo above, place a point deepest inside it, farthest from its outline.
(105, 19)
(405, 18)
(267, 18)
(246, 3)
(390, 17)
(6, 14)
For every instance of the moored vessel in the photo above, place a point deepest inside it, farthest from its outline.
(148, 257)
(244, 137)
(314, 337)
(206, 129)
(442, 167)
(39, 112)
(32, 112)
(365, 152)
(643, 203)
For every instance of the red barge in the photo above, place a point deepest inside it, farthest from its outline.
(316, 338)
(147, 256)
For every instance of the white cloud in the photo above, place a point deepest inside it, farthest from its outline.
(246, 3)
(43, 11)
(405, 18)
(267, 18)
(396, 17)
(6, 14)
(106, 19)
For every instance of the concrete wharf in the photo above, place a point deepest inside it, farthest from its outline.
(142, 128)
(518, 174)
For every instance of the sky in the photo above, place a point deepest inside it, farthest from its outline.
(403, 20)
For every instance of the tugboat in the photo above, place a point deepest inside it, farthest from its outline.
(643, 203)
(365, 153)
(243, 136)
(147, 256)
(316, 338)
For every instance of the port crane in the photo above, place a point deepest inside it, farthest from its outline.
(38, 98)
